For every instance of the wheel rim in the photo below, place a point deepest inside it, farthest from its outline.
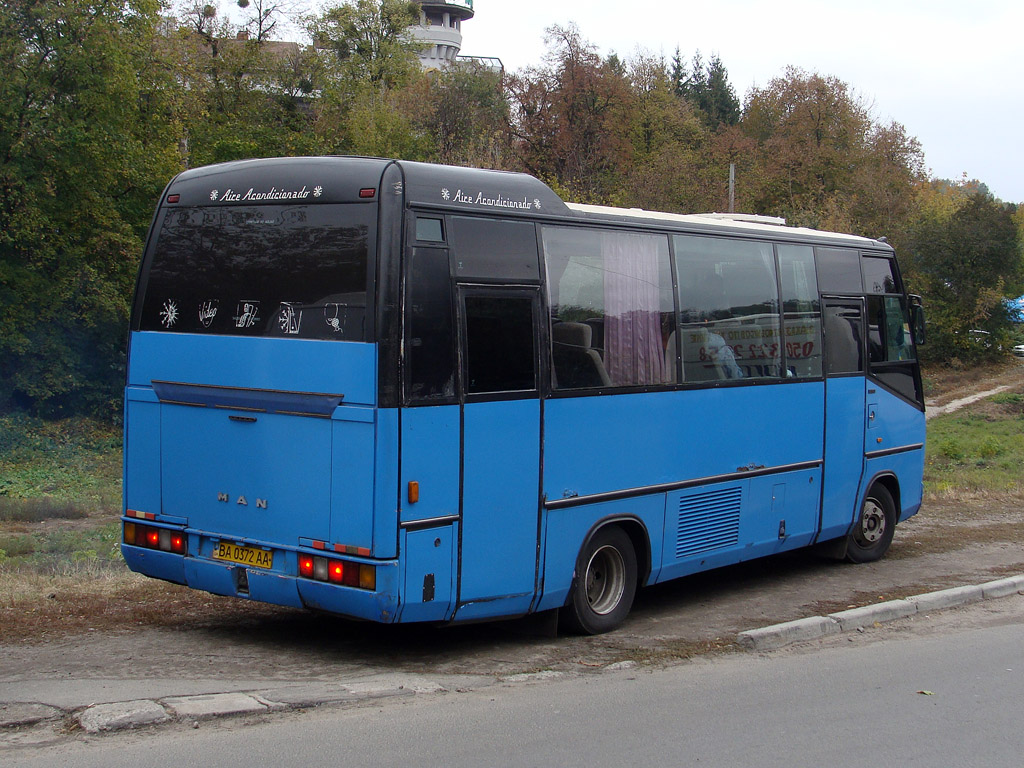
(872, 524)
(605, 580)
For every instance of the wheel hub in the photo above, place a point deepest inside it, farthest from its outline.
(872, 523)
(605, 580)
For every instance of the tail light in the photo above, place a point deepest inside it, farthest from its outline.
(150, 537)
(344, 572)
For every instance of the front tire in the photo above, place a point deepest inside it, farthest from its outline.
(872, 534)
(605, 583)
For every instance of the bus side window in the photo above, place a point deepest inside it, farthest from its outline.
(429, 229)
(430, 348)
(838, 270)
(888, 330)
(729, 307)
(490, 249)
(801, 311)
(612, 310)
(878, 275)
(845, 351)
(500, 352)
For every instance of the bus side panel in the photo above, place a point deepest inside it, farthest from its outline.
(790, 503)
(352, 433)
(430, 457)
(844, 454)
(499, 508)
(566, 529)
(613, 443)
(142, 451)
(428, 578)
(385, 489)
(891, 422)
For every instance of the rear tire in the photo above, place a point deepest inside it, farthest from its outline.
(605, 583)
(872, 534)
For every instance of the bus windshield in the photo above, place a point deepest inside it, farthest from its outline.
(267, 270)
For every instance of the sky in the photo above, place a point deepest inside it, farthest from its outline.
(950, 71)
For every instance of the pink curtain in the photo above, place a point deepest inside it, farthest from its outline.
(632, 330)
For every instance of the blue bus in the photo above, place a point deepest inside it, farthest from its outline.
(406, 392)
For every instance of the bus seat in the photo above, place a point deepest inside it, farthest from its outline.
(577, 365)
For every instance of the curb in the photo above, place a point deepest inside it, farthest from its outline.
(117, 716)
(780, 635)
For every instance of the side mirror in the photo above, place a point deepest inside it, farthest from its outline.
(917, 321)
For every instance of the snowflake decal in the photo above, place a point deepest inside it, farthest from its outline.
(445, 194)
(318, 191)
(169, 313)
(536, 203)
(213, 194)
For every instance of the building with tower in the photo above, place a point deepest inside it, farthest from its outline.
(440, 31)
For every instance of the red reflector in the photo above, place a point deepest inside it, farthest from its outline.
(367, 193)
(336, 572)
(173, 198)
(306, 566)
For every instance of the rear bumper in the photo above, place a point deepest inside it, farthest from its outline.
(380, 605)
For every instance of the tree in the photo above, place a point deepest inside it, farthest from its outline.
(966, 258)
(707, 88)
(365, 56)
(364, 40)
(86, 143)
(264, 17)
(811, 133)
(463, 112)
(568, 117)
(669, 140)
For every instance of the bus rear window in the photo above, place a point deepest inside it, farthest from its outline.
(287, 271)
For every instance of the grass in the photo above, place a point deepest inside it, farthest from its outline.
(60, 499)
(72, 465)
(978, 450)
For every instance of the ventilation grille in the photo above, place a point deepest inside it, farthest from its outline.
(708, 521)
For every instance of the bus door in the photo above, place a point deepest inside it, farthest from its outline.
(499, 360)
(845, 385)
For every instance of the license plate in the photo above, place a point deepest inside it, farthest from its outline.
(237, 553)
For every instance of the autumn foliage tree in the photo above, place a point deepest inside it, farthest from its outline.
(568, 115)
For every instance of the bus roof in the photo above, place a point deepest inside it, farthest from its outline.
(453, 188)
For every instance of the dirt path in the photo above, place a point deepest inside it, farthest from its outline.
(955, 405)
(944, 387)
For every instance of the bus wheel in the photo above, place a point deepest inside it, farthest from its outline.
(605, 583)
(873, 532)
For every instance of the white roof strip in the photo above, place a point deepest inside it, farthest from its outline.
(769, 225)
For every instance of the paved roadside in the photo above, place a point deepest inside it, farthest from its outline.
(87, 707)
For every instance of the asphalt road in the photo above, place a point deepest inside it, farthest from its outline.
(938, 692)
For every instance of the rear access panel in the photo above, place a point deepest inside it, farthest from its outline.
(261, 476)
